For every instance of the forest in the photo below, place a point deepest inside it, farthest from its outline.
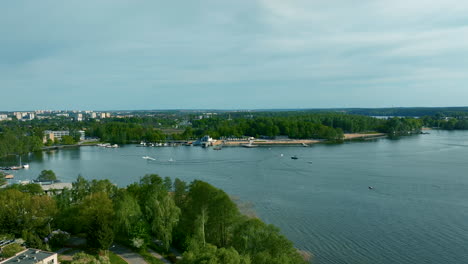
(329, 126)
(197, 218)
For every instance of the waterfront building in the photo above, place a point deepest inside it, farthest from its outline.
(52, 135)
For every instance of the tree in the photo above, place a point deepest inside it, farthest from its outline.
(67, 140)
(25, 212)
(80, 189)
(83, 258)
(127, 213)
(168, 183)
(207, 203)
(47, 175)
(96, 214)
(32, 188)
(264, 243)
(165, 216)
(11, 250)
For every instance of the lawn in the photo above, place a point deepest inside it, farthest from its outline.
(114, 259)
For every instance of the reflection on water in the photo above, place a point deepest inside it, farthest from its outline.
(416, 213)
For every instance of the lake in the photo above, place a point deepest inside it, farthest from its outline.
(417, 211)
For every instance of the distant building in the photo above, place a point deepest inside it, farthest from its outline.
(19, 115)
(78, 117)
(93, 115)
(82, 134)
(29, 116)
(52, 135)
(4, 117)
(33, 256)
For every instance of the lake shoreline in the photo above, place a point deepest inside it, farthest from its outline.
(299, 142)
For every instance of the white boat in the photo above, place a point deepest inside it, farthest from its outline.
(250, 145)
(148, 158)
(25, 166)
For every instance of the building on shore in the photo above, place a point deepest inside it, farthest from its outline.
(52, 135)
(33, 256)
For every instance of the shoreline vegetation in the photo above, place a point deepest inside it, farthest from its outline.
(260, 142)
(159, 214)
(266, 127)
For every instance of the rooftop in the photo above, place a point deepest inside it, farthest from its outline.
(29, 256)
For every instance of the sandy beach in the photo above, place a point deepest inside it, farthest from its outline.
(300, 142)
(362, 135)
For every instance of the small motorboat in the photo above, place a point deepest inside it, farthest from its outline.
(294, 157)
(370, 188)
(148, 158)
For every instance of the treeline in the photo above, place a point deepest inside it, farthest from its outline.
(330, 126)
(197, 218)
(21, 137)
(405, 111)
(455, 122)
(19, 141)
(125, 132)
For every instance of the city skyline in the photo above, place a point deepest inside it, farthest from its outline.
(265, 54)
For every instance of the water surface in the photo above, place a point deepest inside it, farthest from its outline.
(416, 213)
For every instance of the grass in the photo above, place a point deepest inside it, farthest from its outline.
(114, 259)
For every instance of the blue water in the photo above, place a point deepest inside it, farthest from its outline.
(416, 213)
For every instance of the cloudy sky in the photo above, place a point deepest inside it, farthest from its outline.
(239, 54)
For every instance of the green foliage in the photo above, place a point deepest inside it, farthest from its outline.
(96, 215)
(19, 141)
(180, 192)
(3, 181)
(47, 175)
(83, 258)
(159, 208)
(68, 140)
(401, 126)
(214, 213)
(32, 188)
(23, 211)
(206, 218)
(264, 243)
(115, 259)
(127, 213)
(122, 133)
(211, 254)
(11, 250)
(58, 239)
(168, 183)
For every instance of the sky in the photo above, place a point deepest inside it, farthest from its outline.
(237, 54)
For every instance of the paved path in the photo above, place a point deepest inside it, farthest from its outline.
(158, 256)
(128, 255)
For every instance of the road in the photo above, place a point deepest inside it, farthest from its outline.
(128, 255)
